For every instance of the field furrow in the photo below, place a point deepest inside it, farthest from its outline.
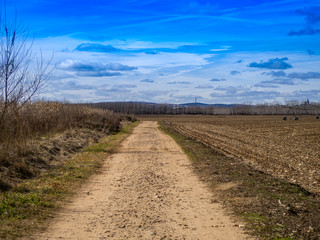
(286, 149)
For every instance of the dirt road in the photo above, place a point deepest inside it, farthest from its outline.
(145, 191)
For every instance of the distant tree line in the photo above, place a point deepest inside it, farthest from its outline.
(138, 108)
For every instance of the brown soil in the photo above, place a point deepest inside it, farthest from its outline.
(146, 190)
(272, 208)
(288, 150)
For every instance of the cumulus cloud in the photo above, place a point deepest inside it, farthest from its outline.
(71, 85)
(266, 85)
(312, 17)
(147, 81)
(261, 94)
(98, 74)
(94, 69)
(234, 72)
(153, 93)
(118, 67)
(235, 93)
(275, 63)
(114, 92)
(58, 75)
(217, 80)
(248, 94)
(297, 75)
(73, 65)
(178, 82)
(275, 73)
(125, 86)
(281, 81)
(309, 93)
(205, 86)
(228, 89)
(304, 76)
(94, 47)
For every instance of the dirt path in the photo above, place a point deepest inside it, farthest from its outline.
(146, 191)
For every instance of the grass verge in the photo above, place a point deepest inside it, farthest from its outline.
(272, 208)
(25, 208)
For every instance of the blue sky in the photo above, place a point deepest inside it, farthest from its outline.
(174, 51)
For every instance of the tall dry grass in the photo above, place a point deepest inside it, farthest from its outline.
(22, 129)
(42, 118)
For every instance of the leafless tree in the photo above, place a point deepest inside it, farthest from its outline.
(22, 74)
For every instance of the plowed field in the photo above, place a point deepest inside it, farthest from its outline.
(286, 149)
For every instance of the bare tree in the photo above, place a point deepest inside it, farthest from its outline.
(21, 73)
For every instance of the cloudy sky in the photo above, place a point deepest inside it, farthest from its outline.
(218, 51)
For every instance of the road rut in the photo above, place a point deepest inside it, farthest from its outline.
(146, 190)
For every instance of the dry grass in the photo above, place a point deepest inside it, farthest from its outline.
(41, 118)
(37, 170)
(33, 202)
(40, 133)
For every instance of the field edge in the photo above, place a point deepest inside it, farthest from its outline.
(271, 208)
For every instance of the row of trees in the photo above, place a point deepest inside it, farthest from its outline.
(153, 108)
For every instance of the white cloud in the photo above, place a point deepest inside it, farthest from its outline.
(87, 71)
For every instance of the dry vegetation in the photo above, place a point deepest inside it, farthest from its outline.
(39, 134)
(29, 206)
(44, 157)
(286, 149)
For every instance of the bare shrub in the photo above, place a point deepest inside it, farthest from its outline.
(21, 76)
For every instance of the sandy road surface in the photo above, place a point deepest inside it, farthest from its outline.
(146, 191)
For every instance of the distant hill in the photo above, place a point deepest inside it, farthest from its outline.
(209, 105)
(182, 104)
(195, 104)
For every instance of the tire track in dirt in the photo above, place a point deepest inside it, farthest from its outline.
(146, 190)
